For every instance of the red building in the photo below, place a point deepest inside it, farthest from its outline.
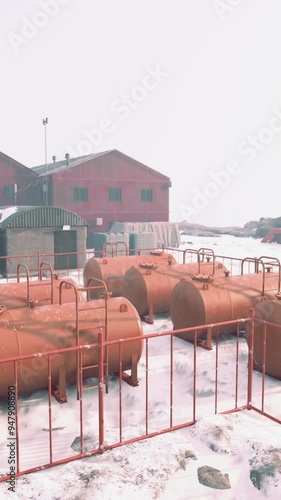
(18, 184)
(106, 187)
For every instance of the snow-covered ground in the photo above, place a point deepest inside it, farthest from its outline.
(245, 445)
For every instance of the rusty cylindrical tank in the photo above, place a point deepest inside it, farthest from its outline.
(270, 351)
(41, 292)
(112, 270)
(201, 301)
(149, 287)
(26, 331)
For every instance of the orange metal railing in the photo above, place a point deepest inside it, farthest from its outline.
(125, 432)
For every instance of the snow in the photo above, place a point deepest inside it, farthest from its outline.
(243, 444)
(6, 212)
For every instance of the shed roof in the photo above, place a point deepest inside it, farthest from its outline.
(32, 217)
(58, 166)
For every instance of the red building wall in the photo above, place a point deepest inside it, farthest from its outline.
(11, 173)
(112, 170)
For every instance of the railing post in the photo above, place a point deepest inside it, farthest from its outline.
(101, 391)
(251, 360)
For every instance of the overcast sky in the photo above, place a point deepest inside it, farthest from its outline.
(188, 87)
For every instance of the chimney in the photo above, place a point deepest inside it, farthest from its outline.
(54, 159)
(67, 158)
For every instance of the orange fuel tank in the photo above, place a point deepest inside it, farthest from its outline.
(149, 287)
(112, 269)
(27, 331)
(268, 353)
(202, 301)
(42, 292)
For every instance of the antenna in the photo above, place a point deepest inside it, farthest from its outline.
(45, 123)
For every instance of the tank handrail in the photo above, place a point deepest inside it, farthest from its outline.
(124, 244)
(256, 261)
(88, 287)
(190, 250)
(72, 285)
(26, 268)
(114, 245)
(209, 252)
(106, 297)
(206, 251)
(249, 259)
(275, 261)
(27, 278)
(39, 269)
(45, 265)
(104, 253)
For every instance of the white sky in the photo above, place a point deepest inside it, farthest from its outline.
(221, 87)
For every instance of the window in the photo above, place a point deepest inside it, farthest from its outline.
(9, 191)
(115, 194)
(80, 194)
(146, 194)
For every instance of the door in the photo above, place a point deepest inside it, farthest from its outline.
(3, 253)
(65, 242)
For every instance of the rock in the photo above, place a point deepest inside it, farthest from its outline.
(265, 224)
(188, 228)
(253, 228)
(252, 224)
(190, 454)
(262, 230)
(276, 222)
(182, 464)
(259, 476)
(213, 478)
(198, 232)
(87, 477)
(88, 443)
(265, 467)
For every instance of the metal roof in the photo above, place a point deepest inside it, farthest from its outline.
(7, 159)
(58, 166)
(32, 217)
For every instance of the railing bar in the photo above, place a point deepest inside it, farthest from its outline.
(237, 364)
(250, 360)
(80, 381)
(101, 391)
(50, 408)
(194, 374)
(146, 386)
(16, 378)
(120, 394)
(216, 371)
(171, 378)
(263, 364)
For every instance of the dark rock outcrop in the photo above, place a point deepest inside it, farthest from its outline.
(265, 468)
(253, 228)
(188, 228)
